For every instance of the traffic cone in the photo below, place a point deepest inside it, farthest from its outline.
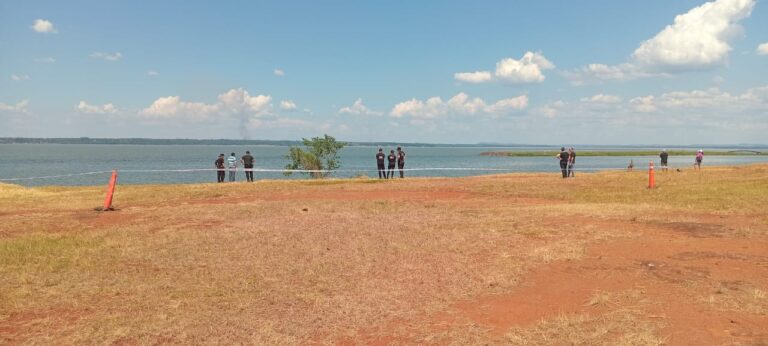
(651, 178)
(110, 191)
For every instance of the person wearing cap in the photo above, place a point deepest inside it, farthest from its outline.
(699, 158)
(380, 163)
(247, 161)
(232, 165)
(664, 156)
(219, 164)
(563, 156)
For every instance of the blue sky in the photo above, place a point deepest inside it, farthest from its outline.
(545, 72)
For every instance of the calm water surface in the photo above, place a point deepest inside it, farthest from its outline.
(35, 160)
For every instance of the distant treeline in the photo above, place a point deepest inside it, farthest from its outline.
(624, 153)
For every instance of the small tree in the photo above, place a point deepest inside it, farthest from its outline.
(320, 155)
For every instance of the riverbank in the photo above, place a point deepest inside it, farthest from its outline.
(628, 153)
(507, 259)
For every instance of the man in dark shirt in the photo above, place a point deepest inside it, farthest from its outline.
(380, 163)
(391, 167)
(563, 157)
(664, 156)
(220, 172)
(247, 161)
(400, 160)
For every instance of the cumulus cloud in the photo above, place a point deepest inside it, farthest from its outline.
(107, 56)
(46, 60)
(473, 77)
(358, 108)
(644, 104)
(43, 26)
(278, 72)
(85, 108)
(697, 40)
(19, 77)
(172, 107)
(762, 49)
(460, 105)
(677, 107)
(602, 98)
(527, 69)
(235, 104)
(288, 105)
(20, 107)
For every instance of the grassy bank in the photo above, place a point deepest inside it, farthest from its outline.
(515, 259)
(620, 153)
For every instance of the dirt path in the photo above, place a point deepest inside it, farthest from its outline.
(685, 277)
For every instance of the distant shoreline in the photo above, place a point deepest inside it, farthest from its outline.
(735, 152)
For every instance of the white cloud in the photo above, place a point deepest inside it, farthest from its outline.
(19, 77)
(762, 49)
(233, 103)
(697, 40)
(278, 72)
(46, 60)
(171, 107)
(85, 108)
(152, 73)
(288, 105)
(473, 77)
(358, 108)
(643, 104)
(602, 98)
(20, 107)
(107, 56)
(527, 69)
(43, 26)
(461, 104)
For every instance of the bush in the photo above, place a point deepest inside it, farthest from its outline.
(319, 154)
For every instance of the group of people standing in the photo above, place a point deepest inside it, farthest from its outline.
(230, 164)
(567, 161)
(393, 157)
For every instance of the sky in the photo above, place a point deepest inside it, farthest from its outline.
(534, 72)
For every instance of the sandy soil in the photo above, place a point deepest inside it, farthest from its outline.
(686, 275)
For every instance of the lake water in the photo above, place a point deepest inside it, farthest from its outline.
(36, 160)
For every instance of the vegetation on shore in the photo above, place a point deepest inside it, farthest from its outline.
(623, 153)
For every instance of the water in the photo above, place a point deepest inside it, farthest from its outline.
(34, 160)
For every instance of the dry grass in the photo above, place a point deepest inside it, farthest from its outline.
(292, 262)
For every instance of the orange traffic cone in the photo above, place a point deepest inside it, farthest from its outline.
(110, 191)
(651, 179)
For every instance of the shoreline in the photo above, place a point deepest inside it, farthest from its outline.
(593, 153)
(373, 180)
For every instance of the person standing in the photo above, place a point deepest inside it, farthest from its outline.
(219, 164)
(699, 158)
(247, 161)
(232, 165)
(380, 164)
(563, 157)
(664, 156)
(400, 160)
(571, 162)
(392, 158)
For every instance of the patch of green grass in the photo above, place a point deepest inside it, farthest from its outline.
(45, 252)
